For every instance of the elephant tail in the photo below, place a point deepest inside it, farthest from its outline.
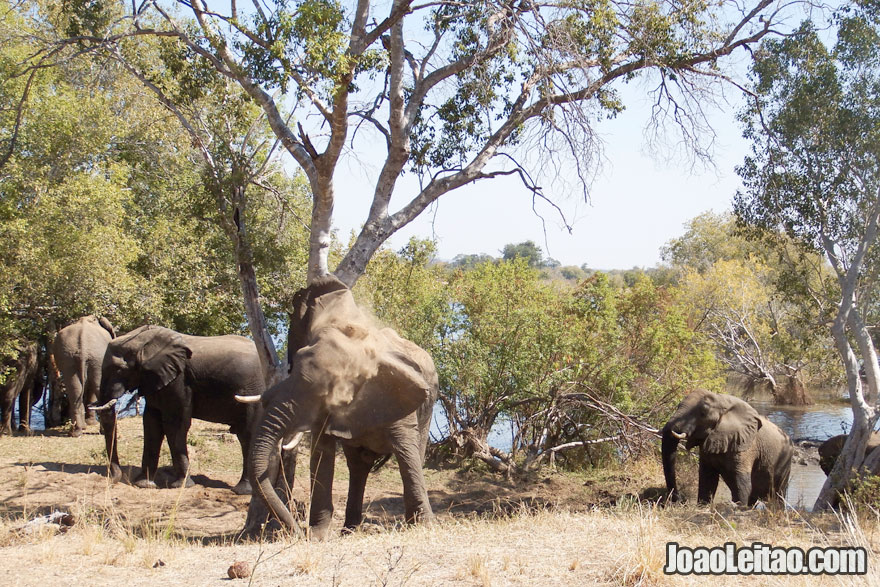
(380, 463)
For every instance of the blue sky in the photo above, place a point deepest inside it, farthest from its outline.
(638, 201)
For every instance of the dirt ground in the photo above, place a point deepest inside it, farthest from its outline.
(51, 471)
(552, 528)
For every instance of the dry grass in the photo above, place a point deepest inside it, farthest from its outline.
(556, 529)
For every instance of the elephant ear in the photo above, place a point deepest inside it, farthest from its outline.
(403, 381)
(735, 430)
(163, 355)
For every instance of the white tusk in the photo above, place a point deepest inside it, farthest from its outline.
(248, 399)
(293, 441)
(679, 435)
(106, 406)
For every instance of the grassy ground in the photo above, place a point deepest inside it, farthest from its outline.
(551, 529)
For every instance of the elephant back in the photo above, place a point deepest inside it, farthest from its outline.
(232, 355)
(85, 339)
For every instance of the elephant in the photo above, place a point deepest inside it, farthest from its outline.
(22, 383)
(830, 450)
(349, 381)
(78, 350)
(181, 377)
(747, 450)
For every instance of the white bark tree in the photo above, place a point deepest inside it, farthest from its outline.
(814, 173)
(458, 92)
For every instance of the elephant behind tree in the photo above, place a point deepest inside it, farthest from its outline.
(737, 444)
(78, 351)
(181, 377)
(353, 382)
(23, 382)
(830, 450)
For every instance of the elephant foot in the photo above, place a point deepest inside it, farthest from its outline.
(91, 421)
(145, 483)
(76, 432)
(114, 472)
(365, 528)
(318, 533)
(242, 488)
(183, 482)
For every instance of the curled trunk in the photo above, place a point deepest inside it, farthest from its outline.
(272, 427)
(669, 447)
(108, 425)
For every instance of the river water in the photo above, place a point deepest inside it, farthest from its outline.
(815, 423)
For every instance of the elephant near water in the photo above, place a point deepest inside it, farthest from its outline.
(78, 350)
(352, 382)
(22, 383)
(830, 450)
(181, 377)
(737, 444)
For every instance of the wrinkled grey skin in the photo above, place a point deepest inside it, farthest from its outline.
(20, 384)
(354, 383)
(830, 450)
(181, 377)
(737, 444)
(79, 350)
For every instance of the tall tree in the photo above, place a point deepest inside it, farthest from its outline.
(815, 129)
(458, 92)
(105, 204)
(747, 297)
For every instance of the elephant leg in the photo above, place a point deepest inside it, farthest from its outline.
(406, 444)
(74, 387)
(25, 401)
(153, 436)
(243, 487)
(741, 490)
(321, 464)
(175, 425)
(708, 483)
(359, 464)
(91, 391)
(5, 416)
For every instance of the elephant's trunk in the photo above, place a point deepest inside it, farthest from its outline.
(108, 425)
(275, 422)
(668, 448)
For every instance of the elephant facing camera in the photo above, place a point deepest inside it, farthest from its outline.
(354, 383)
(736, 444)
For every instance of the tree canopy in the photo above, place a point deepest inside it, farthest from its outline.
(456, 92)
(106, 209)
(813, 173)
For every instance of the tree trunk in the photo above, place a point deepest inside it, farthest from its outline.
(55, 405)
(864, 415)
(793, 393)
(244, 257)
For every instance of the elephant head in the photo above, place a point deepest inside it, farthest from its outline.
(148, 359)
(717, 423)
(348, 378)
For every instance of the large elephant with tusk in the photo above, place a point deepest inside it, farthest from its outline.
(354, 383)
(181, 377)
(737, 444)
